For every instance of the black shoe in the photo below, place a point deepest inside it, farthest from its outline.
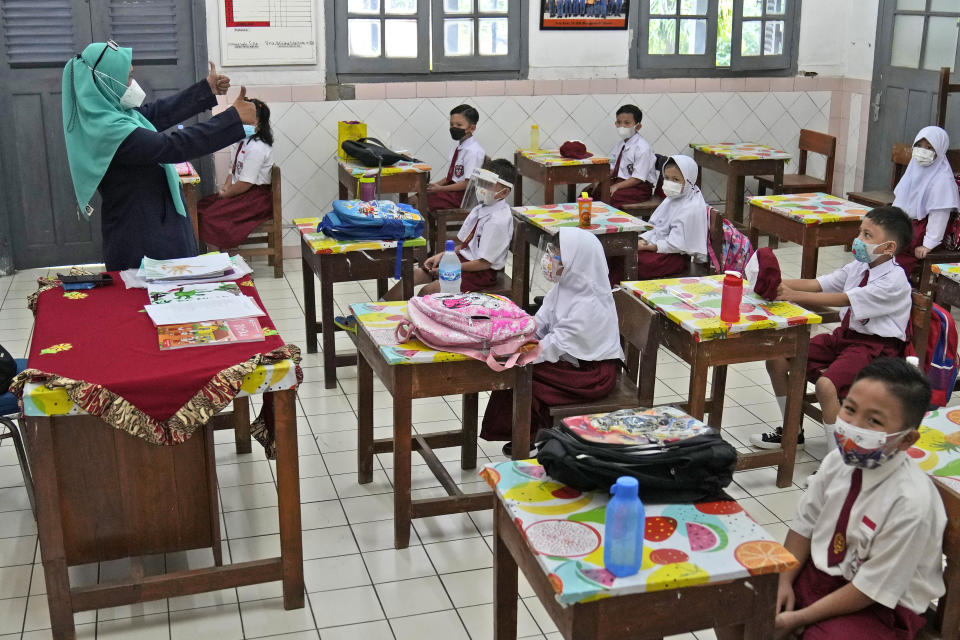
(508, 450)
(771, 439)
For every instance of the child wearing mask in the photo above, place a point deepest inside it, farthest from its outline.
(876, 292)
(466, 156)
(227, 217)
(927, 192)
(633, 165)
(868, 532)
(578, 332)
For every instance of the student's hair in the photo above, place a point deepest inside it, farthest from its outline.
(264, 132)
(633, 110)
(468, 112)
(906, 382)
(895, 223)
(503, 168)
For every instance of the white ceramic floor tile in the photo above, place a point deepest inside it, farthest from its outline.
(379, 630)
(368, 508)
(460, 555)
(347, 606)
(377, 535)
(220, 622)
(336, 572)
(269, 618)
(454, 526)
(479, 621)
(469, 588)
(328, 542)
(390, 565)
(153, 627)
(411, 597)
(442, 624)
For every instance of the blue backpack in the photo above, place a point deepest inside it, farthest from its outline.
(376, 220)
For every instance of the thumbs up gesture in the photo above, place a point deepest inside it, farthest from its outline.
(245, 109)
(218, 83)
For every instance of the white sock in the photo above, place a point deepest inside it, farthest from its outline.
(828, 431)
(782, 402)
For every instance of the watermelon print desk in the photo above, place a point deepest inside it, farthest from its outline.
(402, 178)
(946, 291)
(333, 261)
(737, 160)
(412, 370)
(812, 220)
(617, 231)
(689, 310)
(704, 565)
(549, 168)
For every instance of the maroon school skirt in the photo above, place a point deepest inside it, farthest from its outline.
(906, 258)
(226, 222)
(445, 200)
(839, 356)
(872, 623)
(631, 195)
(476, 280)
(553, 383)
(650, 265)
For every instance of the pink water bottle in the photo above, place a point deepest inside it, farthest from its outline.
(732, 294)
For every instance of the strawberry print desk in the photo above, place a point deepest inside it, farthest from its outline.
(711, 559)
(737, 160)
(812, 220)
(617, 231)
(946, 290)
(333, 261)
(402, 178)
(689, 310)
(549, 168)
(412, 370)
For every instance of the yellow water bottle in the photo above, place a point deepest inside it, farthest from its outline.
(534, 137)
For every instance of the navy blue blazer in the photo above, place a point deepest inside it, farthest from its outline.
(138, 215)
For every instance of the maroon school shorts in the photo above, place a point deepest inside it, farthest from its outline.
(840, 355)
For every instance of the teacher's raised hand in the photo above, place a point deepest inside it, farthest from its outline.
(218, 83)
(245, 109)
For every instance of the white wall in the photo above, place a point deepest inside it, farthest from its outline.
(837, 38)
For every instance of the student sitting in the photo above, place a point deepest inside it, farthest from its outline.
(465, 157)
(877, 293)
(679, 223)
(869, 530)
(484, 239)
(578, 332)
(634, 165)
(245, 200)
(927, 192)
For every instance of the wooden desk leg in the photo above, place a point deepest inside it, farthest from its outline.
(761, 612)
(328, 332)
(522, 402)
(793, 413)
(241, 425)
(549, 192)
(717, 393)
(697, 391)
(605, 188)
(948, 607)
(734, 202)
(422, 191)
(406, 279)
(342, 190)
(630, 261)
(521, 268)
(309, 306)
(504, 580)
(518, 191)
(382, 286)
(402, 429)
(39, 439)
(288, 497)
(364, 420)
(468, 447)
(571, 192)
(808, 260)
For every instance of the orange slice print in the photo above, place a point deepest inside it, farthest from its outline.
(764, 556)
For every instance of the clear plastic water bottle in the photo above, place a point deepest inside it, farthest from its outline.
(623, 540)
(449, 270)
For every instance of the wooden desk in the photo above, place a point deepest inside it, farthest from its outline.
(946, 291)
(737, 160)
(411, 370)
(549, 168)
(691, 328)
(729, 580)
(617, 231)
(402, 178)
(341, 261)
(812, 220)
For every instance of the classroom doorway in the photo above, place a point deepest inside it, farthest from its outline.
(915, 38)
(38, 213)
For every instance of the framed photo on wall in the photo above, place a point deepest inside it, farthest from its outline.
(583, 14)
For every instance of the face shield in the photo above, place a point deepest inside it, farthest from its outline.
(483, 188)
(546, 267)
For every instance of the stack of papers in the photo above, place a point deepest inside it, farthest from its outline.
(181, 305)
(211, 265)
(135, 278)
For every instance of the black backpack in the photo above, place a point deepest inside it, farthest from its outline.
(8, 369)
(370, 152)
(695, 469)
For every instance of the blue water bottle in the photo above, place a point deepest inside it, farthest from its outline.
(623, 540)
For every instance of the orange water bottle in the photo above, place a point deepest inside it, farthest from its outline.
(584, 210)
(731, 296)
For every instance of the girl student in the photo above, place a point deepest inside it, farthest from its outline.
(245, 200)
(927, 192)
(578, 332)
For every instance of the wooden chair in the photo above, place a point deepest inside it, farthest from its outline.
(920, 323)
(900, 157)
(438, 223)
(643, 209)
(810, 141)
(640, 335)
(268, 233)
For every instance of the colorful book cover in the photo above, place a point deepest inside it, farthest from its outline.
(162, 294)
(204, 334)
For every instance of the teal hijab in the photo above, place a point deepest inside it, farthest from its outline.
(94, 123)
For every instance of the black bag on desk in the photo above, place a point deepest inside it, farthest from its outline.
(370, 152)
(696, 469)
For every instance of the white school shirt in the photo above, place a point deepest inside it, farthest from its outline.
(470, 157)
(882, 307)
(254, 162)
(638, 160)
(894, 533)
(491, 242)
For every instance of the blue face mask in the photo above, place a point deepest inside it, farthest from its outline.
(249, 130)
(864, 252)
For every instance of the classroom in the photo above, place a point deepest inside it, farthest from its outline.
(479, 319)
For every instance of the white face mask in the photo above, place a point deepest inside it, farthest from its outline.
(626, 132)
(486, 197)
(133, 97)
(924, 157)
(865, 448)
(672, 189)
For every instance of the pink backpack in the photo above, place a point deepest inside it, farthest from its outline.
(480, 325)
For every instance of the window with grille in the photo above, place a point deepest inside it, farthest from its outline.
(925, 34)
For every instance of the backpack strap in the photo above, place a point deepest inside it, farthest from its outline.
(517, 358)
(404, 330)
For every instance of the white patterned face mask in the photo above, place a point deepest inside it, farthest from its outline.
(551, 265)
(672, 189)
(924, 157)
(865, 448)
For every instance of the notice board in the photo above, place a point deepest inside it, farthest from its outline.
(267, 32)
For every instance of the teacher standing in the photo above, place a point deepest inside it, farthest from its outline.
(119, 146)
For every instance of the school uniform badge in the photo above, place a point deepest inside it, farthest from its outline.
(458, 170)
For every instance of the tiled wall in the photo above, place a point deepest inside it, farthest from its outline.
(413, 116)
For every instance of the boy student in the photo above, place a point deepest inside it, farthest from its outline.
(633, 164)
(877, 292)
(869, 529)
(465, 157)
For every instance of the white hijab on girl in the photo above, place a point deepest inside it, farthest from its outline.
(680, 222)
(922, 189)
(578, 317)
